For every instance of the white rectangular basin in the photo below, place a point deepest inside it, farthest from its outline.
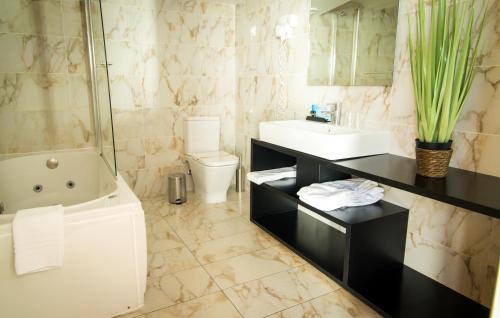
(324, 139)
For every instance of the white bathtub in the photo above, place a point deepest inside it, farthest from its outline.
(104, 271)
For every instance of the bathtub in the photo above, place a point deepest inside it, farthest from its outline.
(104, 270)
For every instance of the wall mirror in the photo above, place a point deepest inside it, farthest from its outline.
(352, 42)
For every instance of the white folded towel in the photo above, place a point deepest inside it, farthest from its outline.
(38, 236)
(260, 177)
(332, 195)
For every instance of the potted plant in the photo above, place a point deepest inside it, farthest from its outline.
(443, 52)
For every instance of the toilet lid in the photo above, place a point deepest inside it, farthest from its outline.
(215, 159)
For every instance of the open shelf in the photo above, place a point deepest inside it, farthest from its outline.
(469, 190)
(466, 189)
(365, 254)
(344, 216)
(410, 294)
(315, 241)
(400, 293)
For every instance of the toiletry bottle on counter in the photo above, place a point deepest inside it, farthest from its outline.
(314, 108)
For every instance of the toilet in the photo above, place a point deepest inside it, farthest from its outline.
(212, 169)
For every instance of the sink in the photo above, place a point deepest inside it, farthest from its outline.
(324, 139)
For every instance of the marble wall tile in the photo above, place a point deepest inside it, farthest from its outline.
(34, 17)
(32, 53)
(43, 92)
(170, 60)
(130, 154)
(163, 151)
(9, 90)
(128, 123)
(80, 96)
(73, 19)
(45, 76)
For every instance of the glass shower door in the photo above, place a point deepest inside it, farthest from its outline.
(103, 120)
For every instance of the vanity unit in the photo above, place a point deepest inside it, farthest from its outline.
(362, 248)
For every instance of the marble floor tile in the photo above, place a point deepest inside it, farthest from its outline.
(198, 216)
(271, 294)
(227, 247)
(210, 306)
(199, 232)
(232, 195)
(241, 207)
(338, 304)
(177, 288)
(260, 276)
(243, 268)
(162, 207)
(170, 261)
(161, 237)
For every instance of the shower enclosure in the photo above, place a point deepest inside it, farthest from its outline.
(54, 101)
(54, 93)
(56, 147)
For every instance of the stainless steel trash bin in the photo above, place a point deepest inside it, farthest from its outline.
(177, 188)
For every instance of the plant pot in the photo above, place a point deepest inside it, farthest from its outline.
(433, 158)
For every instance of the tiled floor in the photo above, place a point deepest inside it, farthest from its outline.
(209, 260)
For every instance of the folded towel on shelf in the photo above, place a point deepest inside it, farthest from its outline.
(38, 236)
(332, 195)
(260, 177)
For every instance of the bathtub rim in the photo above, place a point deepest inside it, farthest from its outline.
(121, 197)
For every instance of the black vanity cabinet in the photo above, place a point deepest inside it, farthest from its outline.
(361, 248)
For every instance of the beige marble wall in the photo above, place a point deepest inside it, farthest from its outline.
(456, 247)
(44, 89)
(170, 59)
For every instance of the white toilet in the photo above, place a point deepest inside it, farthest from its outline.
(212, 169)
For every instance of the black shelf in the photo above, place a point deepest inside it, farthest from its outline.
(302, 234)
(469, 190)
(401, 292)
(344, 216)
(371, 240)
(410, 294)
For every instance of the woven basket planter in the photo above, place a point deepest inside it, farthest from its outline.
(433, 159)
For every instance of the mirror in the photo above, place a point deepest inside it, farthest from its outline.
(352, 42)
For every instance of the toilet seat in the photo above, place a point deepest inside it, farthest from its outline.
(215, 158)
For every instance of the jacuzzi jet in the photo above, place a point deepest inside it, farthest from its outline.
(38, 188)
(70, 184)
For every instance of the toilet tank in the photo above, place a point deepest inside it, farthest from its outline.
(201, 134)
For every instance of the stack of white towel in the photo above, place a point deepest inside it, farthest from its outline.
(332, 195)
(38, 236)
(260, 177)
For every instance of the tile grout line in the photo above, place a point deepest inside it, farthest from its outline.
(211, 277)
(172, 274)
(206, 272)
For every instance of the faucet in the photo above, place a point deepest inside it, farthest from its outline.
(335, 112)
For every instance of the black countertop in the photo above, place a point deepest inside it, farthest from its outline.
(473, 191)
